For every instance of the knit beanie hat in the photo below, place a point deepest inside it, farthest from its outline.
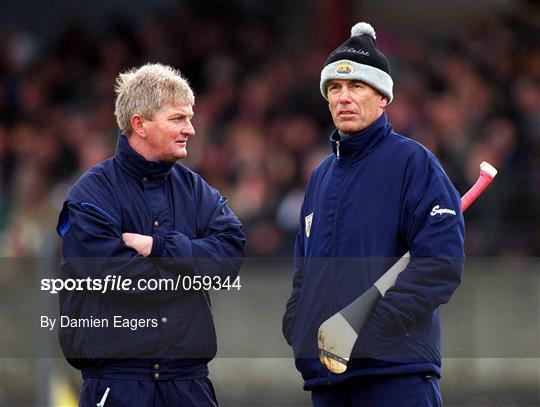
(359, 59)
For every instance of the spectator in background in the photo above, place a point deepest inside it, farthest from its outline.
(70, 76)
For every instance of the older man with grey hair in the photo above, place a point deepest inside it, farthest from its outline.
(365, 205)
(130, 223)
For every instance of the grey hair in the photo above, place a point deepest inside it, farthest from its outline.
(147, 89)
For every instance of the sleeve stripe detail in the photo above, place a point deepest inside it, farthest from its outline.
(100, 211)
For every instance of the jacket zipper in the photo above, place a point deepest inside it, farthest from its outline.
(337, 150)
(335, 231)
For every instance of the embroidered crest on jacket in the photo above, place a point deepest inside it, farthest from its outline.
(309, 220)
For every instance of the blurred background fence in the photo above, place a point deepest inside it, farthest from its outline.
(467, 85)
(491, 345)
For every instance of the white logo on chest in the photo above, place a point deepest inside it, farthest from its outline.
(437, 210)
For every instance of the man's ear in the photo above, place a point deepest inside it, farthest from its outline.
(384, 102)
(137, 125)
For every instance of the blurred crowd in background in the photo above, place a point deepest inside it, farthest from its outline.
(261, 123)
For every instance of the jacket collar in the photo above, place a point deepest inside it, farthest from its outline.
(136, 164)
(359, 144)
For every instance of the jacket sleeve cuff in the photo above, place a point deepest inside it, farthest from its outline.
(386, 321)
(286, 326)
(157, 246)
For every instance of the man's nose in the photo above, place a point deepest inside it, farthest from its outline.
(189, 129)
(344, 96)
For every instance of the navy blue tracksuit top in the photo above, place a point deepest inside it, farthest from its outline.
(194, 233)
(378, 196)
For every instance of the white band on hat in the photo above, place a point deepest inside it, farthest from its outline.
(350, 70)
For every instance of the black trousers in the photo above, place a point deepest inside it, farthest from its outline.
(197, 392)
(414, 390)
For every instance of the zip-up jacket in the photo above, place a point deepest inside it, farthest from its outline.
(378, 196)
(194, 234)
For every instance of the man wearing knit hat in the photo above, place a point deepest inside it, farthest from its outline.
(366, 205)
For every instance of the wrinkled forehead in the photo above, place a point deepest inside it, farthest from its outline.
(180, 108)
(345, 82)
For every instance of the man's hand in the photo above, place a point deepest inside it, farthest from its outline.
(141, 243)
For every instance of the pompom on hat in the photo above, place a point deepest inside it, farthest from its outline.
(359, 59)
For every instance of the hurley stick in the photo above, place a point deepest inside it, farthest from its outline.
(337, 335)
